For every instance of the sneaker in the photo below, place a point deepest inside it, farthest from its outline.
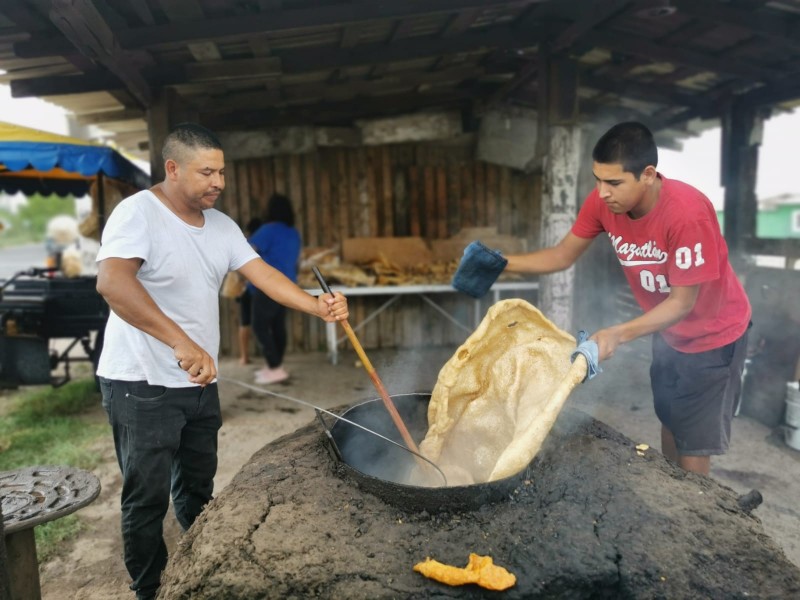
(267, 375)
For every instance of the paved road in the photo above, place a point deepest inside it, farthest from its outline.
(19, 258)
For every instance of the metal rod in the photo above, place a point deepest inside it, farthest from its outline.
(335, 416)
(376, 381)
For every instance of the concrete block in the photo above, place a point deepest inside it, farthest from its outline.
(267, 142)
(507, 137)
(410, 128)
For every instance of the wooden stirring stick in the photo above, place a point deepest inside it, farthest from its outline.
(387, 401)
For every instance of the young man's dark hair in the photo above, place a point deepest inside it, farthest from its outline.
(279, 208)
(188, 136)
(629, 144)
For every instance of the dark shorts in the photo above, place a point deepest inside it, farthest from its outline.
(245, 309)
(695, 395)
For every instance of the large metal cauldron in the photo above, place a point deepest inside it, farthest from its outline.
(380, 467)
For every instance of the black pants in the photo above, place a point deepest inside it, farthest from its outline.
(166, 441)
(269, 327)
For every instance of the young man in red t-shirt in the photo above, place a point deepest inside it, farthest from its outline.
(668, 241)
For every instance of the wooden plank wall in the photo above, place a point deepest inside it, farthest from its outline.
(429, 190)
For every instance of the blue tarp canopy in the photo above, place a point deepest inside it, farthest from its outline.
(33, 161)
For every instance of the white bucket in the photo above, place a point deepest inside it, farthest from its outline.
(792, 417)
(791, 436)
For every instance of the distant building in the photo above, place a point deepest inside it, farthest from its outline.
(778, 217)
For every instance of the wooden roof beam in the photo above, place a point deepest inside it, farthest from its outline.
(84, 26)
(640, 46)
(111, 116)
(527, 73)
(367, 88)
(773, 94)
(319, 59)
(266, 22)
(93, 81)
(648, 91)
(596, 15)
(243, 68)
(304, 60)
(26, 19)
(142, 11)
(781, 29)
(181, 11)
(461, 22)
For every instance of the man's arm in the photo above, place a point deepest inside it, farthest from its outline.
(284, 291)
(678, 304)
(125, 294)
(550, 260)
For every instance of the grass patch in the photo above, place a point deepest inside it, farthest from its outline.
(44, 427)
(50, 536)
(47, 427)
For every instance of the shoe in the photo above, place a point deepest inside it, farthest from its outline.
(267, 375)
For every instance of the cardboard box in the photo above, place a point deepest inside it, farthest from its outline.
(401, 251)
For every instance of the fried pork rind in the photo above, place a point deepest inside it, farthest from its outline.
(480, 570)
(497, 398)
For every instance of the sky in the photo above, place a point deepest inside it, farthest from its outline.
(698, 163)
(32, 112)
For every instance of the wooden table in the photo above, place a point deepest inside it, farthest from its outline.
(30, 497)
(394, 292)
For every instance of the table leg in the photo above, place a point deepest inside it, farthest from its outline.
(333, 345)
(23, 565)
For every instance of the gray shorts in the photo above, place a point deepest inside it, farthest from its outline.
(695, 395)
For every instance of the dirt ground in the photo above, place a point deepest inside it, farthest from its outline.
(92, 567)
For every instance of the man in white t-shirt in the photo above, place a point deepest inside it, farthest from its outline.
(164, 254)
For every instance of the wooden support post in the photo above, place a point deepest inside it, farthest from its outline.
(558, 111)
(158, 126)
(742, 128)
(162, 115)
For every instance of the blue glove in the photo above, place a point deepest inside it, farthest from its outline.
(590, 350)
(478, 270)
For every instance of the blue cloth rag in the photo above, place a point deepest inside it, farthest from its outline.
(478, 270)
(591, 351)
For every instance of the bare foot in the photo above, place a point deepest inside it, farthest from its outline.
(244, 360)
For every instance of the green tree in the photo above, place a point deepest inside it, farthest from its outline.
(30, 221)
(40, 209)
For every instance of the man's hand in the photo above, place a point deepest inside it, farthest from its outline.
(195, 361)
(607, 342)
(332, 308)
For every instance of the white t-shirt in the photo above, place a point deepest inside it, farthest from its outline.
(182, 271)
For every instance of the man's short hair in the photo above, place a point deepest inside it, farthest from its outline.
(630, 144)
(186, 137)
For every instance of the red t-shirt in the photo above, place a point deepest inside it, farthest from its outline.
(677, 243)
